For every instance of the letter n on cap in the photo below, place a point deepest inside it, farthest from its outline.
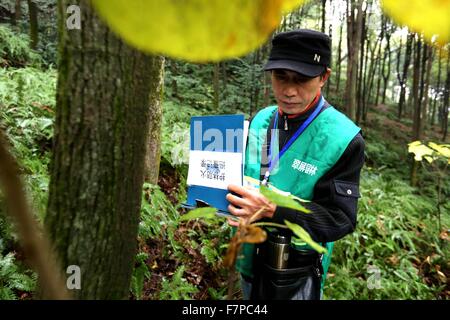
(316, 57)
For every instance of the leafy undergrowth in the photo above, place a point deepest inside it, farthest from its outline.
(398, 250)
(177, 260)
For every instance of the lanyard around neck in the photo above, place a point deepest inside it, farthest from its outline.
(273, 159)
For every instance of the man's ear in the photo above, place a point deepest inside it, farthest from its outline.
(326, 75)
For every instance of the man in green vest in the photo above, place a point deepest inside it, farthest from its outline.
(303, 146)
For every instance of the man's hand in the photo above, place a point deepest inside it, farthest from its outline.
(249, 202)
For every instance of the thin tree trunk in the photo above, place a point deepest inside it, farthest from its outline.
(371, 78)
(404, 75)
(354, 22)
(438, 87)
(386, 72)
(339, 64)
(17, 13)
(415, 90)
(153, 153)
(223, 67)
(216, 86)
(324, 4)
(427, 72)
(174, 73)
(267, 86)
(416, 109)
(360, 96)
(446, 104)
(329, 81)
(34, 33)
(380, 64)
(97, 168)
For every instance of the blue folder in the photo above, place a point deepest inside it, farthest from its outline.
(197, 195)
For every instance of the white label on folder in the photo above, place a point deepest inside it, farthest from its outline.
(214, 169)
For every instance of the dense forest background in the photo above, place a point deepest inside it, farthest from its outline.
(392, 82)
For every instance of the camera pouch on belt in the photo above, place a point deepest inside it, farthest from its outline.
(300, 280)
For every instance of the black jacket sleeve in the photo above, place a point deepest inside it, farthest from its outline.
(334, 204)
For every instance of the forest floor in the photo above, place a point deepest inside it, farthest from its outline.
(163, 262)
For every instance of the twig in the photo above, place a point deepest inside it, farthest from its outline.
(256, 214)
(37, 248)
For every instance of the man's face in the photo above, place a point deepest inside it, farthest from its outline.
(293, 91)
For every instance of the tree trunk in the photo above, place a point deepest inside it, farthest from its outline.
(446, 104)
(438, 87)
(17, 13)
(404, 76)
(267, 86)
(360, 96)
(415, 90)
(339, 64)
(386, 72)
(153, 153)
(97, 169)
(427, 72)
(354, 23)
(216, 86)
(371, 77)
(324, 5)
(380, 63)
(223, 67)
(174, 73)
(417, 105)
(34, 33)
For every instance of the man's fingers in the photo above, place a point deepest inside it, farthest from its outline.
(232, 222)
(236, 211)
(237, 201)
(239, 190)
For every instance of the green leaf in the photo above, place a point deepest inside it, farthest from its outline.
(206, 213)
(303, 235)
(282, 200)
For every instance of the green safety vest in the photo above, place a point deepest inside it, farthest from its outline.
(311, 155)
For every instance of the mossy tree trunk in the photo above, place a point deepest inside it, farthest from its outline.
(100, 139)
(354, 27)
(153, 154)
(34, 32)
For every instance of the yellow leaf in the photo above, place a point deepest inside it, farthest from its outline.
(442, 149)
(429, 17)
(420, 150)
(429, 159)
(290, 5)
(194, 30)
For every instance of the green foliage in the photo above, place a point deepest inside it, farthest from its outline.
(7, 234)
(177, 288)
(175, 133)
(140, 273)
(15, 49)
(13, 279)
(158, 216)
(303, 235)
(205, 213)
(396, 228)
(214, 243)
(27, 101)
(287, 201)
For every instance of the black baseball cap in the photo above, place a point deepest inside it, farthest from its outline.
(307, 52)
